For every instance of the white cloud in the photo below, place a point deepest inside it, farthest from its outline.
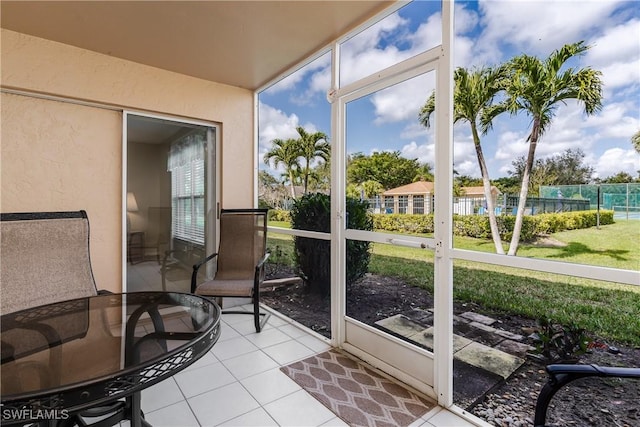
(616, 44)
(511, 145)
(468, 168)
(424, 152)
(465, 53)
(287, 83)
(361, 56)
(620, 74)
(468, 51)
(615, 121)
(427, 36)
(404, 100)
(617, 160)
(465, 160)
(292, 80)
(538, 27)
(465, 20)
(274, 123)
(415, 130)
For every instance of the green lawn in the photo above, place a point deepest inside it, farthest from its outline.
(606, 309)
(615, 245)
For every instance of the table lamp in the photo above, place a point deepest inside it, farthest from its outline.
(132, 206)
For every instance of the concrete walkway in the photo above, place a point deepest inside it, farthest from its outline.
(484, 355)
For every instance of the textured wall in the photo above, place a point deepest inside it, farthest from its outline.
(61, 156)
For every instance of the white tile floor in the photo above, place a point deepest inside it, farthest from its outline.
(239, 383)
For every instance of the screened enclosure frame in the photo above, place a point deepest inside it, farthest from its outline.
(442, 243)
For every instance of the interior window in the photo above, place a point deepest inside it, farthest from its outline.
(186, 164)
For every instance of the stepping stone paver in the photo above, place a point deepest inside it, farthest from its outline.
(400, 324)
(480, 318)
(509, 335)
(514, 347)
(482, 354)
(484, 334)
(423, 317)
(425, 338)
(489, 358)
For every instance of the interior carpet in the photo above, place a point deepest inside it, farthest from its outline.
(357, 394)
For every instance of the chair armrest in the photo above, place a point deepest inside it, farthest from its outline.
(196, 267)
(258, 278)
(260, 263)
(580, 371)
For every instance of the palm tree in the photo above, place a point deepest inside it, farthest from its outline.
(473, 96)
(635, 140)
(424, 173)
(311, 146)
(285, 152)
(538, 88)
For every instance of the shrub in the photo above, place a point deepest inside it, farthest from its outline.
(279, 215)
(560, 344)
(358, 254)
(313, 256)
(478, 225)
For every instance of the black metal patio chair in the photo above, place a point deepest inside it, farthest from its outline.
(562, 374)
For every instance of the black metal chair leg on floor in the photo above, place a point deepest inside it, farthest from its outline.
(136, 415)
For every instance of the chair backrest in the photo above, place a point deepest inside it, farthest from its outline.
(243, 242)
(45, 259)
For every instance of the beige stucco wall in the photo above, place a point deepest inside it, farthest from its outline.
(58, 156)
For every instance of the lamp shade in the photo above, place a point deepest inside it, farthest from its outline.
(132, 204)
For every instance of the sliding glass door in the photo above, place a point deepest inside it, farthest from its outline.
(171, 190)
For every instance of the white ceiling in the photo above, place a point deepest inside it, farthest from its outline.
(240, 43)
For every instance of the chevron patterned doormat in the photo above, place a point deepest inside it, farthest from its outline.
(356, 393)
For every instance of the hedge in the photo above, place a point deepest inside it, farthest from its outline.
(478, 225)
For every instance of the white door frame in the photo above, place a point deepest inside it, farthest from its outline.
(411, 364)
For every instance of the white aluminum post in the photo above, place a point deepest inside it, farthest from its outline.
(443, 264)
(338, 246)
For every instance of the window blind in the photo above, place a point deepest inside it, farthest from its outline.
(187, 167)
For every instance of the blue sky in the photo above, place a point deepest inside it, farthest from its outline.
(487, 33)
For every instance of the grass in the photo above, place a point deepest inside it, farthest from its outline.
(608, 310)
(614, 245)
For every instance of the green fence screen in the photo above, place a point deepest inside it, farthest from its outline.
(623, 199)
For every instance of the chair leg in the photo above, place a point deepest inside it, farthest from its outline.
(259, 319)
(164, 280)
(259, 323)
(256, 315)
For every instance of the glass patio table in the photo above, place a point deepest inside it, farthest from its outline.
(71, 361)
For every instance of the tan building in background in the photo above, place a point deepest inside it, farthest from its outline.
(417, 198)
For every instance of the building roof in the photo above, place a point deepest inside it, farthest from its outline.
(426, 187)
(479, 190)
(418, 187)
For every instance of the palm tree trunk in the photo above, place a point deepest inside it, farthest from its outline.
(486, 183)
(293, 189)
(524, 189)
(306, 179)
